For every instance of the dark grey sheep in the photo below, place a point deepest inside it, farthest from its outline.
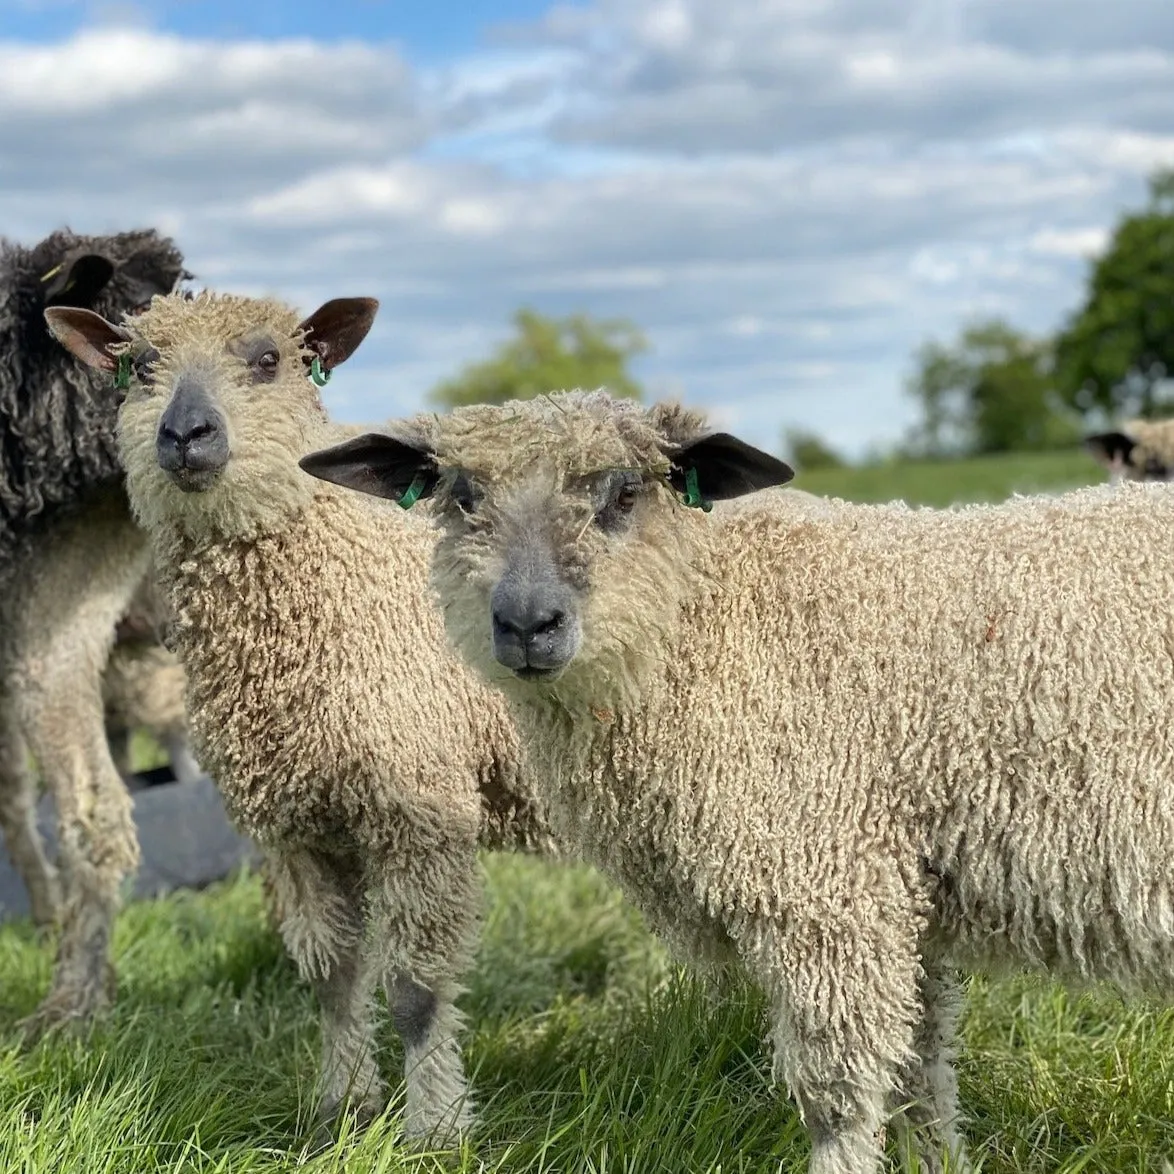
(70, 560)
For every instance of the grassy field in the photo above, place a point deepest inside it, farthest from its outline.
(589, 1052)
(946, 482)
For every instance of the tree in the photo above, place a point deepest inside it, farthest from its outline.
(1117, 350)
(806, 450)
(549, 354)
(991, 391)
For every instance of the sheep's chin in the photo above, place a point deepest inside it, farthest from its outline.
(194, 480)
(538, 676)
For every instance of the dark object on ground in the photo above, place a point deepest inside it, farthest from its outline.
(185, 838)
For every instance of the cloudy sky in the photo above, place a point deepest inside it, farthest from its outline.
(786, 195)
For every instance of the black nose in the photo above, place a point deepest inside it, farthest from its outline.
(191, 436)
(535, 629)
(182, 432)
(526, 617)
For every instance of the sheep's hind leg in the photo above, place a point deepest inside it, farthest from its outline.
(321, 901)
(927, 1119)
(18, 819)
(430, 910)
(179, 753)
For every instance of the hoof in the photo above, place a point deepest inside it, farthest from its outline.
(445, 1130)
(362, 1112)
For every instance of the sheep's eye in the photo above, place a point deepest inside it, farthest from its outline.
(464, 494)
(266, 365)
(144, 364)
(613, 515)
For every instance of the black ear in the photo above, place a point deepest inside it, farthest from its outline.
(724, 467)
(379, 465)
(78, 281)
(146, 274)
(85, 335)
(334, 330)
(1112, 449)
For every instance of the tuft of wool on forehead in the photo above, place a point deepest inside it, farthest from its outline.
(575, 433)
(177, 319)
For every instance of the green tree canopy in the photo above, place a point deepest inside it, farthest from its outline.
(1119, 346)
(806, 450)
(991, 391)
(549, 354)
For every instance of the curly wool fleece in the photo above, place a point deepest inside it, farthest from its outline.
(851, 746)
(57, 438)
(70, 556)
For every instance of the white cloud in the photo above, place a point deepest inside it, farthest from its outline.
(1075, 242)
(787, 197)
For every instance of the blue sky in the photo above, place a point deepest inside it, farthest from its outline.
(431, 30)
(787, 196)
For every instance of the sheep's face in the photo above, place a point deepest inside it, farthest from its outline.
(1143, 450)
(218, 406)
(565, 542)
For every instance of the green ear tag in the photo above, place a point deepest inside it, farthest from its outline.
(693, 493)
(122, 375)
(412, 493)
(319, 377)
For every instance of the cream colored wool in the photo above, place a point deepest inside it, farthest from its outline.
(1153, 442)
(850, 747)
(345, 736)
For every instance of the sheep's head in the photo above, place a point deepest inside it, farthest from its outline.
(112, 275)
(1141, 450)
(565, 538)
(218, 405)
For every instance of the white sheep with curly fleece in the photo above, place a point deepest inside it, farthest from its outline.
(849, 748)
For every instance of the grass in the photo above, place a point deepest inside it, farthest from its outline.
(589, 1052)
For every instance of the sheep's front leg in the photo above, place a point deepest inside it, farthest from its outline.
(844, 1007)
(321, 902)
(77, 581)
(430, 909)
(928, 1117)
(18, 819)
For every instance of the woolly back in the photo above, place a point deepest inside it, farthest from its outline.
(57, 417)
(536, 466)
(269, 425)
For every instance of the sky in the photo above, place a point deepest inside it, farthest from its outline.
(787, 196)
